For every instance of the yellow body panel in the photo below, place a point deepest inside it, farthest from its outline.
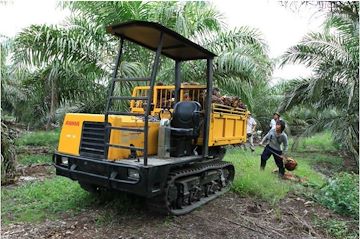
(70, 136)
(227, 129)
(227, 124)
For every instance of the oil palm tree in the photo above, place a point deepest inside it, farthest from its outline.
(10, 85)
(66, 63)
(9, 95)
(71, 59)
(242, 52)
(334, 56)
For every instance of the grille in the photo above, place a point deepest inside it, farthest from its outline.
(93, 140)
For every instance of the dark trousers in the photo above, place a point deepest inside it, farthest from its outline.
(266, 155)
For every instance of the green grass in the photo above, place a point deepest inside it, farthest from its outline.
(306, 171)
(320, 151)
(322, 161)
(319, 142)
(335, 161)
(249, 180)
(28, 159)
(36, 201)
(337, 229)
(39, 138)
(314, 153)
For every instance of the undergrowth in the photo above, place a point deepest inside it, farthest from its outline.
(341, 194)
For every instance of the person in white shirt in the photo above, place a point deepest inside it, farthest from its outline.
(276, 117)
(250, 130)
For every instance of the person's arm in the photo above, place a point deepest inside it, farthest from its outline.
(265, 138)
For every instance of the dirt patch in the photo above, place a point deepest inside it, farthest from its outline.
(36, 169)
(35, 150)
(230, 216)
(35, 172)
(350, 165)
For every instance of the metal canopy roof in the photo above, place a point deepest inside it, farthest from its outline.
(147, 34)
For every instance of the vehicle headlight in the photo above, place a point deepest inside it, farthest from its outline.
(133, 173)
(64, 160)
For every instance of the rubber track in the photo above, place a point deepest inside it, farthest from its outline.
(159, 204)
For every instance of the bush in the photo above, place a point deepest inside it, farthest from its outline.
(341, 194)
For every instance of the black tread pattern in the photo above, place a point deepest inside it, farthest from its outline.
(160, 204)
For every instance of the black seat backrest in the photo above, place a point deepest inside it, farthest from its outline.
(186, 115)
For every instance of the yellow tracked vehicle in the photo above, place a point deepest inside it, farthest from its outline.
(169, 145)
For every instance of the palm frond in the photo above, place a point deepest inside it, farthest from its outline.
(334, 56)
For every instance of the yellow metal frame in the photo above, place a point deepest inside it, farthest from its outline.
(136, 106)
(227, 125)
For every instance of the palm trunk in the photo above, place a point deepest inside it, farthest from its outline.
(53, 104)
(8, 156)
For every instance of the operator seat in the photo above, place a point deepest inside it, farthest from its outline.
(185, 127)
